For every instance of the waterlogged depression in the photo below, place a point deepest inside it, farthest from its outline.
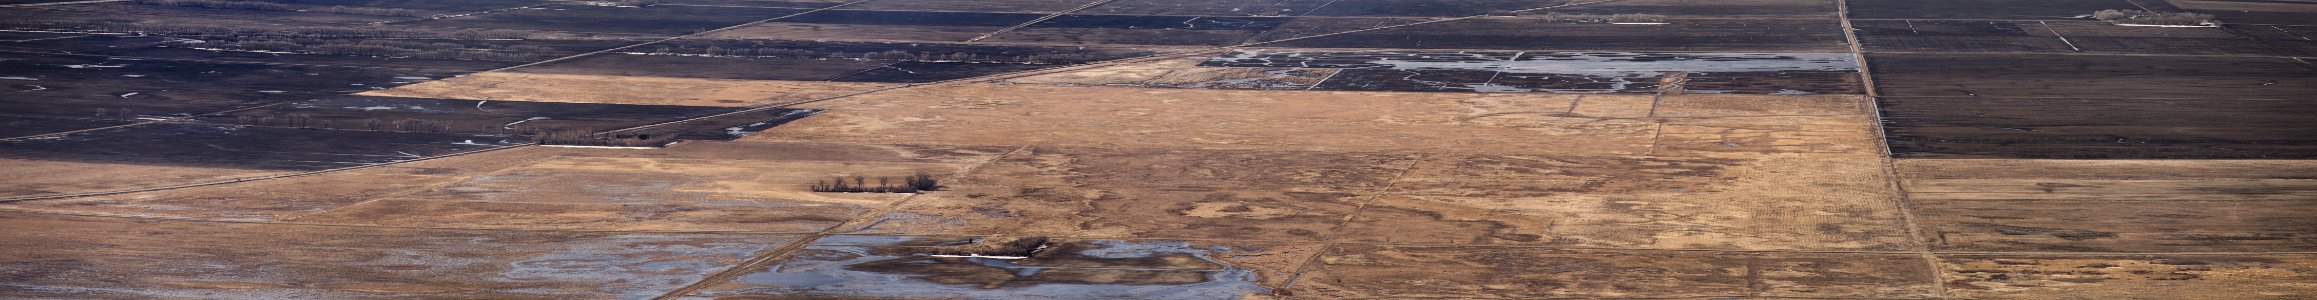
(869, 266)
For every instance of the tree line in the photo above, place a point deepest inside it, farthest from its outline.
(911, 184)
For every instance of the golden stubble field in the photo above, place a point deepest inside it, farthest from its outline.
(1201, 192)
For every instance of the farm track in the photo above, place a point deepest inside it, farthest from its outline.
(247, 179)
(1890, 166)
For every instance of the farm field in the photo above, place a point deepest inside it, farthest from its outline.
(1158, 149)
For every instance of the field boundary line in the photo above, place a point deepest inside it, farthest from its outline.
(1890, 165)
(55, 134)
(249, 179)
(663, 40)
(2047, 26)
(1323, 80)
(1036, 21)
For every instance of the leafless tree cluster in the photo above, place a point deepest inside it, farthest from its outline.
(1610, 18)
(265, 31)
(858, 184)
(589, 138)
(219, 4)
(2142, 17)
(368, 11)
(387, 48)
(769, 52)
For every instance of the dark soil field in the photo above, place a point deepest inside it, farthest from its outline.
(1428, 8)
(83, 86)
(821, 61)
(913, 18)
(459, 116)
(247, 147)
(425, 5)
(2094, 128)
(2071, 37)
(17, 126)
(32, 1)
(1020, 6)
(2096, 106)
(2092, 76)
(1710, 8)
(2255, 12)
(663, 19)
(759, 3)
(503, 52)
(1142, 30)
(918, 71)
(1247, 8)
(26, 36)
(1302, 27)
(1768, 35)
(1983, 9)
(625, 64)
(293, 17)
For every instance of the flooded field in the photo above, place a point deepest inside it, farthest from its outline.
(900, 267)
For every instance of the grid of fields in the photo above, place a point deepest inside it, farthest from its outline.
(1156, 149)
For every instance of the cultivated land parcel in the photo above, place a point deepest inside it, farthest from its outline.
(1263, 149)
